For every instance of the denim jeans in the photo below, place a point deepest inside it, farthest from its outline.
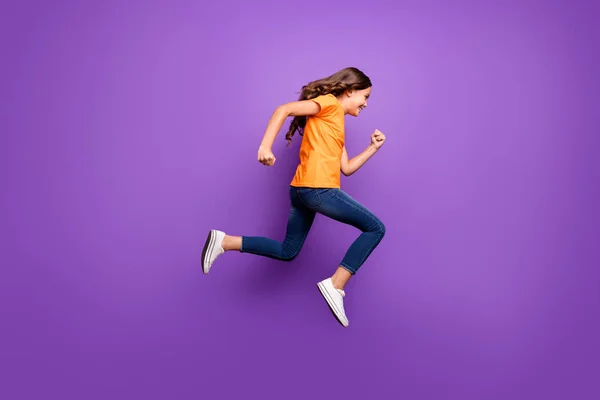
(333, 203)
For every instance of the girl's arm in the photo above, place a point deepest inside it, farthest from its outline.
(349, 167)
(294, 108)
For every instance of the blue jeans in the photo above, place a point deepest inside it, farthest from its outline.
(333, 203)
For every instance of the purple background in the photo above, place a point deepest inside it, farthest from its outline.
(129, 130)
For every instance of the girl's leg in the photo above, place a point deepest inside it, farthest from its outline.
(338, 205)
(232, 243)
(300, 220)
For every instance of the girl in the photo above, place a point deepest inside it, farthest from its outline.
(319, 117)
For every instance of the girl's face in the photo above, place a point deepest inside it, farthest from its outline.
(357, 100)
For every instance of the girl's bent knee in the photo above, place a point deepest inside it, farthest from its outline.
(381, 229)
(288, 256)
(378, 228)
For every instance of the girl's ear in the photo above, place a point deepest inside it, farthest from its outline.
(349, 93)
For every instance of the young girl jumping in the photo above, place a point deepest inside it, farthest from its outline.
(319, 117)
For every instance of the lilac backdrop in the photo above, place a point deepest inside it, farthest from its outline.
(130, 128)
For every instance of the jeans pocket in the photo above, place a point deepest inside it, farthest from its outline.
(310, 197)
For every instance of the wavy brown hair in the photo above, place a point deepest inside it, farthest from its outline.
(345, 79)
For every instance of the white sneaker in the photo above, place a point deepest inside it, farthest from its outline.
(212, 249)
(335, 300)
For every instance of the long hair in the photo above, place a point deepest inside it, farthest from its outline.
(345, 79)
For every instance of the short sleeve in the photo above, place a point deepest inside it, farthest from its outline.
(328, 104)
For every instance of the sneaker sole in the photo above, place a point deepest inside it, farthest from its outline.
(332, 307)
(209, 244)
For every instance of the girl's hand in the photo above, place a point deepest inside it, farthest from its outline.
(265, 156)
(377, 138)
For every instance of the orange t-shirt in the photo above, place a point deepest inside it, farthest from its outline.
(322, 145)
